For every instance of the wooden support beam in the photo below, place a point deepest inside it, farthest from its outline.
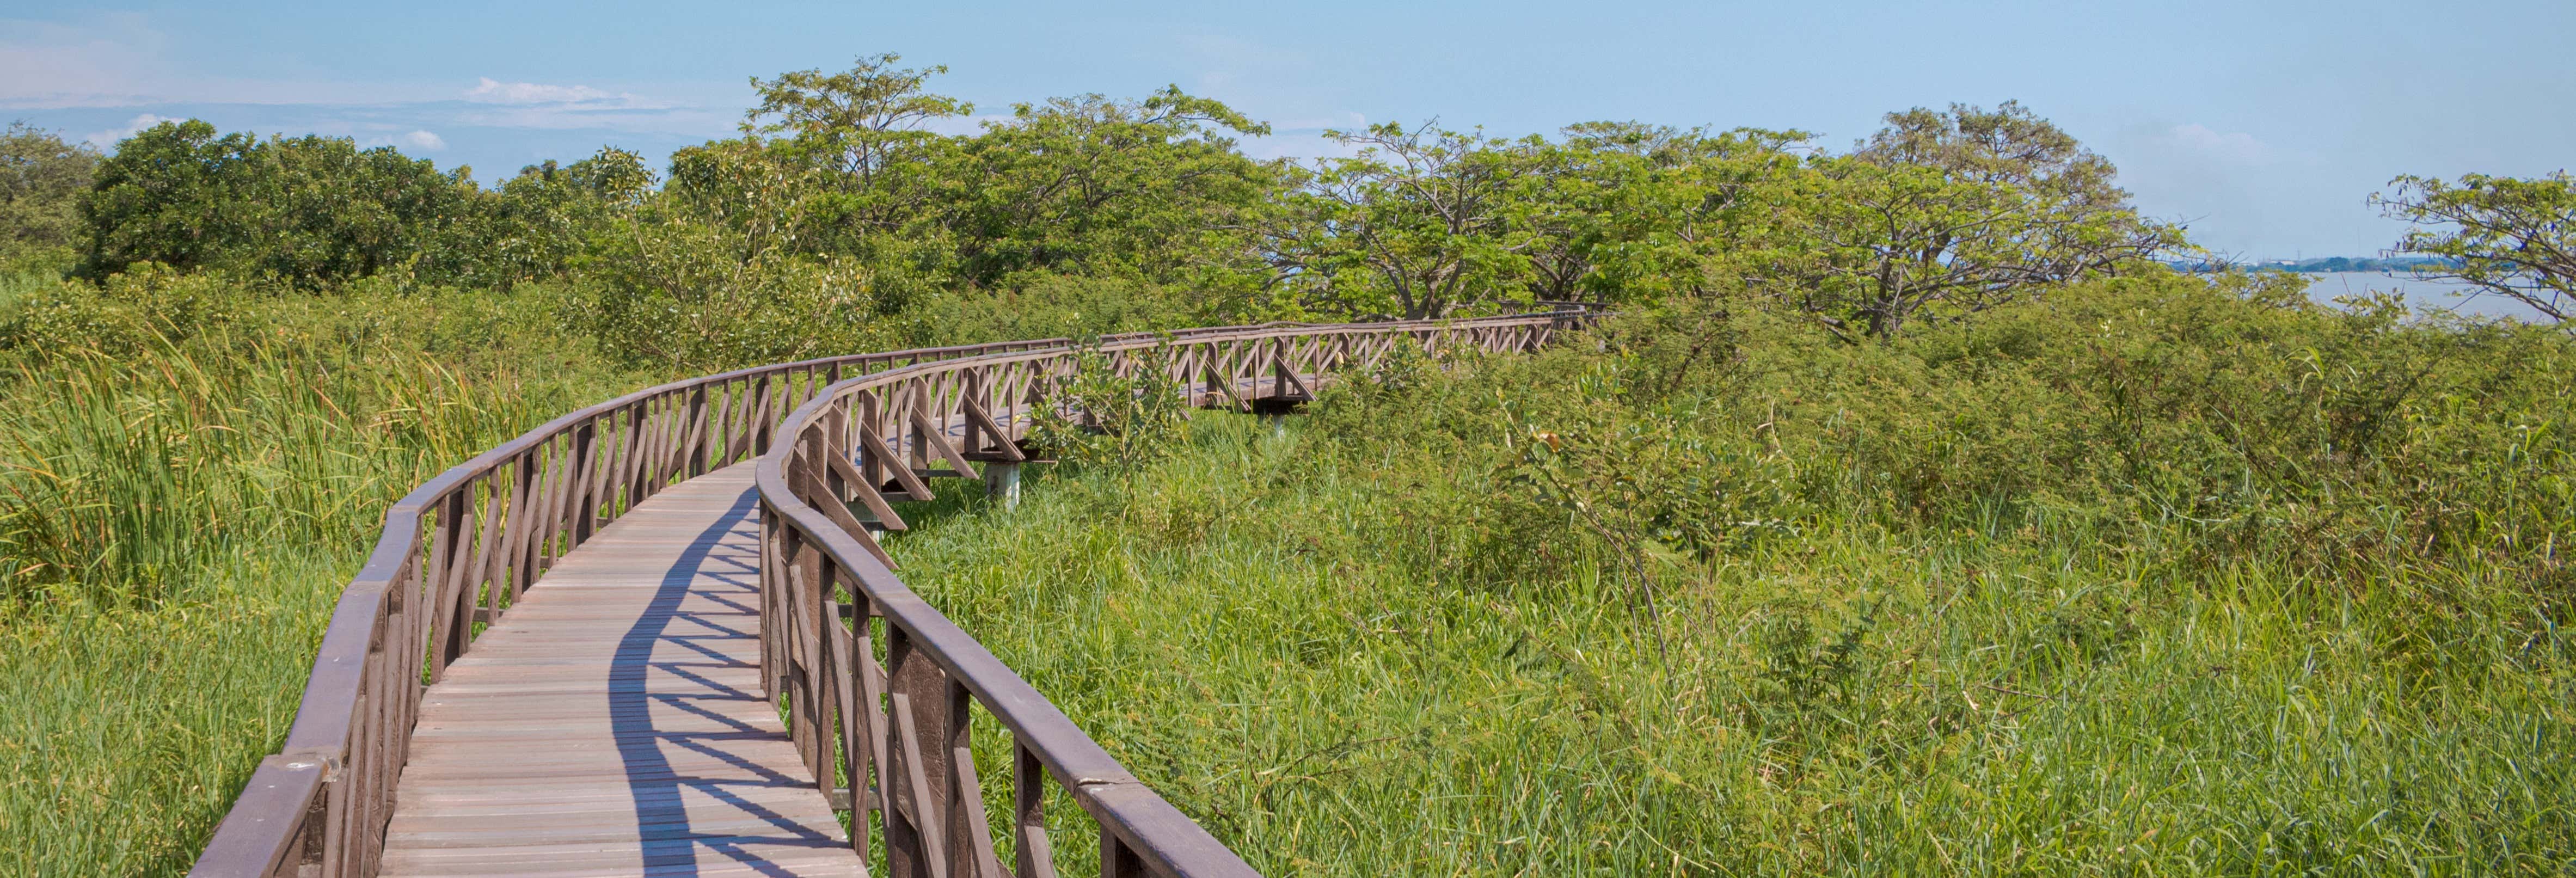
(937, 439)
(868, 495)
(876, 445)
(1288, 377)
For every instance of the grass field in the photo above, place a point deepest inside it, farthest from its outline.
(2157, 579)
(1236, 627)
(1403, 638)
(177, 517)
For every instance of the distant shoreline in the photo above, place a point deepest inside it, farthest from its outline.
(2324, 265)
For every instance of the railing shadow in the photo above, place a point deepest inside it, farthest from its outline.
(726, 551)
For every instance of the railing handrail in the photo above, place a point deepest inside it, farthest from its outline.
(293, 789)
(1168, 841)
(317, 742)
(403, 519)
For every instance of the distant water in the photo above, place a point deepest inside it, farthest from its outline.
(2421, 295)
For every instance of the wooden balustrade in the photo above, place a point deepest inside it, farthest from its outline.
(458, 551)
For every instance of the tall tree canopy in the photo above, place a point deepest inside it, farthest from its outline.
(41, 180)
(1955, 212)
(306, 211)
(2508, 236)
(858, 205)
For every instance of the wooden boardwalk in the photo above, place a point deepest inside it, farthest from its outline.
(613, 724)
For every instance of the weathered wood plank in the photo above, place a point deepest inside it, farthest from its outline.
(612, 723)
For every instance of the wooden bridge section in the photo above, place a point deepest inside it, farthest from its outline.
(657, 636)
(614, 723)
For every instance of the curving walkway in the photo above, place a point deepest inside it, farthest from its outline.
(619, 718)
(613, 722)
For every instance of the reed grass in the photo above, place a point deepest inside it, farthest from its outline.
(177, 519)
(1868, 622)
(2150, 579)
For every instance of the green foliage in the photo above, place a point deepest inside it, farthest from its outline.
(710, 276)
(1110, 416)
(1627, 213)
(2152, 576)
(126, 732)
(2508, 236)
(1049, 305)
(41, 179)
(862, 125)
(1938, 215)
(1151, 189)
(1425, 221)
(837, 222)
(856, 140)
(193, 470)
(172, 422)
(1943, 214)
(1416, 225)
(304, 211)
(150, 307)
(838, 208)
(542, 219)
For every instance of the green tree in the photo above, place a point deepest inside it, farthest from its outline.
(2509, 236)
(1623, 212)
(710, 274)
(304, 211)
(1949, 213)
(177, 194)
(859, 125)
(544, 217)
(1417, 224)
(1152, 189)
(41, 179)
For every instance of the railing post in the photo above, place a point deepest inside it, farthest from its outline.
(522, 562)
(761, 426)
(449, 549)
(695, 431)
(639, 445)
(1117, 860)
(965, 807)
(921, 683)
(585, 496)
(773, 537)
(1028, 813)
(1002, 482)
(872, 456)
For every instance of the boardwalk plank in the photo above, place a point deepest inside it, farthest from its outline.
(612, 724)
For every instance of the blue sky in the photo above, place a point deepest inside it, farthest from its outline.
(2263, 125)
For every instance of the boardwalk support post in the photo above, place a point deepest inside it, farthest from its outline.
(1002, 482)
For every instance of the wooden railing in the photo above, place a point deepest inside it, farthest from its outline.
(458, 551)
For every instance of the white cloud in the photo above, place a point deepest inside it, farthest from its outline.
(558, 107)
(490, 91)
(2231, 146)
(107, 139)
(424, 140)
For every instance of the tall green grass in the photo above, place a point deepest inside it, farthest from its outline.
(179, 508)
(2149, 578)
(2116, 586)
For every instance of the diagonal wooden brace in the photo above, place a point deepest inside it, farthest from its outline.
(875, 445)
(1002, 444)
(816, 496)
(868, 495)
(937, 439)
(1288, 376)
